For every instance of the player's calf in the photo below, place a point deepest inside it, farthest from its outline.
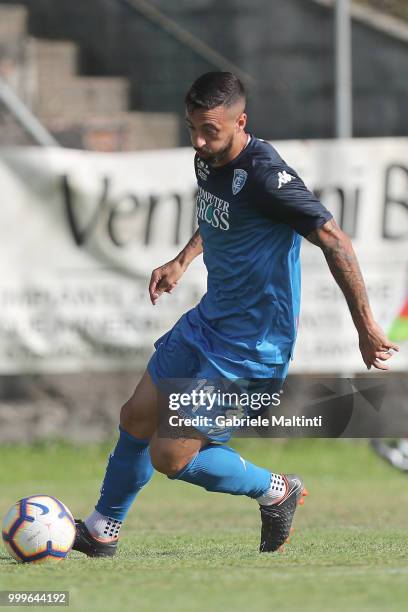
(170, 456)
(138, 415)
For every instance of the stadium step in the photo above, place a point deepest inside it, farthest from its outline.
(80, 111)
(55, 61)
(76, 98)
(152, 130)
(124, 131)
(13, 38)
(13, 23)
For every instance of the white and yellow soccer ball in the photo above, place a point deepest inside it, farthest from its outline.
(38, 528)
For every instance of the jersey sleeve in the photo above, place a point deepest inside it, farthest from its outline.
(283, 197)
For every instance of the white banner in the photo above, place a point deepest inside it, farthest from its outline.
(81, 232)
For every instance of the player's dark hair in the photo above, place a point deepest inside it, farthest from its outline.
(214, 89)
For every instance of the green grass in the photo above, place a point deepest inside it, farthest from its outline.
(185, 549)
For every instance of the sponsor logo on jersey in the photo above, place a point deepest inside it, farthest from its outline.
(212, 210)
(239, 180)
(283, 178)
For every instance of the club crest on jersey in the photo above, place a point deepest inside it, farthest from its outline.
(239, 180)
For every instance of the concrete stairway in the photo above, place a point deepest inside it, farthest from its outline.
(81, 112)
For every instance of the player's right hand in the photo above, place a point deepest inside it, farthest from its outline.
(164, 279)
(375, 347)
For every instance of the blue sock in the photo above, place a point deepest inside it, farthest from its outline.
(221, 469)
(129, 468)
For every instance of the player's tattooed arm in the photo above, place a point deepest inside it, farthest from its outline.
(342, 261)
(166, 277)
(193, 248)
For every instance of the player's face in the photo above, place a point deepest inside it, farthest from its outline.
(217, 132)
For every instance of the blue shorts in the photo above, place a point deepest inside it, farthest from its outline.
(181, 367)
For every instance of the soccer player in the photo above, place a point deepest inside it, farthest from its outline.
(252, 211)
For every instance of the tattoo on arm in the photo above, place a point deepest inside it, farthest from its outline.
(195, 241)
(193, 248)
(343, 264)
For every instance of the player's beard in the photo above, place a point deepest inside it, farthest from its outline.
(214, 159)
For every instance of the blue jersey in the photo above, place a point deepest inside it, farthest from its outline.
(252, 213)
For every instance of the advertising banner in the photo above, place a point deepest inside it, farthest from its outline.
(81, 232)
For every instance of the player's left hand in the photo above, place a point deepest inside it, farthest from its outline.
(375, 347)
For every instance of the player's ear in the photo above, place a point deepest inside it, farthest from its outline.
(241, 122)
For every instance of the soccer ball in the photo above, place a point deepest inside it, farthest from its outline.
(38, 528)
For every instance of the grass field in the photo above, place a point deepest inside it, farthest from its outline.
(185, 549)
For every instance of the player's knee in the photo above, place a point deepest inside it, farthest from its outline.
(167, 461)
